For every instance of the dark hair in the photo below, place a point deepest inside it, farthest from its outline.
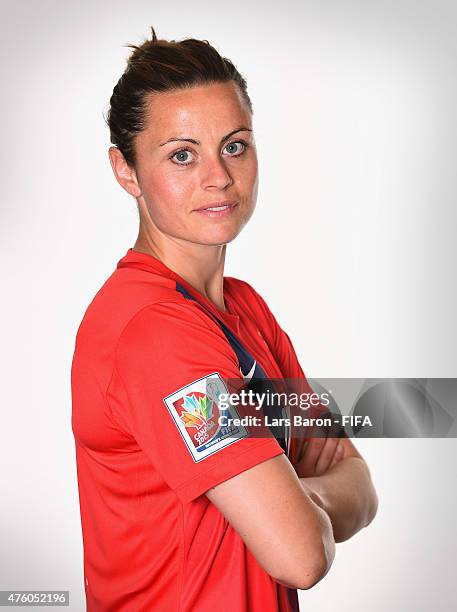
(157, 66)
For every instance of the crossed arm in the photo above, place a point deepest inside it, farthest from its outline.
(336, 477)
(290, 517)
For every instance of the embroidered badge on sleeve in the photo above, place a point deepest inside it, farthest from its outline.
(202, 418)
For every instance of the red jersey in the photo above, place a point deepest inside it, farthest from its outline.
(152, 539)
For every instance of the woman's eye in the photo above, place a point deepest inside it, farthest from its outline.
(182, 157)
(235, 148)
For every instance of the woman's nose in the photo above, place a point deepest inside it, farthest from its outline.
(215, 174)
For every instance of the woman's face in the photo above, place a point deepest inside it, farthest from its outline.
(198, 151)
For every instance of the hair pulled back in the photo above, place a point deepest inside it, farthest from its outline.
(157, 66)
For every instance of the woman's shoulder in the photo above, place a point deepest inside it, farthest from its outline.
(244, 292)
(238, 286)
(252, 304)
(128, 296)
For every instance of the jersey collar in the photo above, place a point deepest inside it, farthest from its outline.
(146, 261)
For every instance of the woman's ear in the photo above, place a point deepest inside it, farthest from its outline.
(125, 174)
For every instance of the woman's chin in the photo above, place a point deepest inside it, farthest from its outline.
(217, 234)
(221, 236)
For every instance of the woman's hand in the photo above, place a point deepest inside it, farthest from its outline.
(319, 455)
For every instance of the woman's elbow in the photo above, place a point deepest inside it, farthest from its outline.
(305, 579)
(304, 574)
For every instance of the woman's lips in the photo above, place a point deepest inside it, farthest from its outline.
(218, 211)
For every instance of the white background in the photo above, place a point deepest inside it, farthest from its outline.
(352, 245)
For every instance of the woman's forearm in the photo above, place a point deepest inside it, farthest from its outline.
(347, 495)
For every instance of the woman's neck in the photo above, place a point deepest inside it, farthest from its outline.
(202, 266)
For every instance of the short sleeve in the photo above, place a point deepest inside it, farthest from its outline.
(171, 363)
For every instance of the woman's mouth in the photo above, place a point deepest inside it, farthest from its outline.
(222, 209)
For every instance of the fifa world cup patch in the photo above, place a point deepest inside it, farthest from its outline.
(201, 421)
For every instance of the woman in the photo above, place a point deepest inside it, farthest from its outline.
(179, 513)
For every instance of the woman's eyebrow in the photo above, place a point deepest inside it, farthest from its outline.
(197, 142)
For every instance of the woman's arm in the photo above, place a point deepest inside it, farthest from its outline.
(345, 490)
(289, 535)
